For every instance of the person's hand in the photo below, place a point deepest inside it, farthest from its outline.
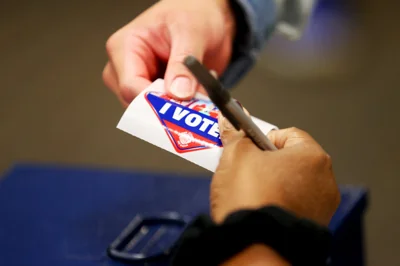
(297, 177)
(160, 38)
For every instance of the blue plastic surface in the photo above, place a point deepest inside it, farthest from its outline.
(52, 215)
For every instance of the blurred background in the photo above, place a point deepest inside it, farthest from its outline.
(341, 83)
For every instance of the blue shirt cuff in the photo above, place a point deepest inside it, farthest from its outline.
(257, 20)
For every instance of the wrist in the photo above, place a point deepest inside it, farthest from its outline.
(229, 18)
(255, 237)
(257, 255)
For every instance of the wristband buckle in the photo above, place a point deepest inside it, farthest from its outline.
(148, 239)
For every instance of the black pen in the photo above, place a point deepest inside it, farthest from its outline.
(229, 108)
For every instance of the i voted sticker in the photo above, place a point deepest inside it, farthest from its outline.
(190, 126)
(188, 129)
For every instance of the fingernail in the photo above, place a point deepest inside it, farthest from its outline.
(214, 73)
(244, 109)
(239, 103)
(182, 87)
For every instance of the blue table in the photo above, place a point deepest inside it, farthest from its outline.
(52, 215)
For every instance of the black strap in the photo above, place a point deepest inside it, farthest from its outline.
(299, 241)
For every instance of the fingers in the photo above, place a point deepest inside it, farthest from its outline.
(133, 63)
(110, 80)
(289, 137)
(179, 82)
(227, 131)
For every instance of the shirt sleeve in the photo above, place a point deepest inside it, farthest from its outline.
(256, 21)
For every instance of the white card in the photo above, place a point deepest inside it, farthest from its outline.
(188, 129)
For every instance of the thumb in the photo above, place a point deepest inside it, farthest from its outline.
(179, 82)
(289, 137)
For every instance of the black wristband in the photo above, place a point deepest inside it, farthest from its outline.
(299, 241)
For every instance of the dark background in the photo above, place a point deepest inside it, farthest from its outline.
(340, 83)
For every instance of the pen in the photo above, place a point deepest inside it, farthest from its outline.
(229, 108)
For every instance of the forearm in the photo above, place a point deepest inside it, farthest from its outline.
(257, 255)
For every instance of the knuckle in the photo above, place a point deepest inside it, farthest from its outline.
(106, 77)
(293, 129)
(297, 132)
(325, 159)
(126, 93)
(321, 159)
(328, 160)
(112, 42)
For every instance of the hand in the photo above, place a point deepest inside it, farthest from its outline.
(159, 39)
(297, 177)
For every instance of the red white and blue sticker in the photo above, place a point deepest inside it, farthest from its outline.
(190, 126)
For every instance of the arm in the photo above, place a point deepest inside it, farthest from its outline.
(257, 255)
(256, 21)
